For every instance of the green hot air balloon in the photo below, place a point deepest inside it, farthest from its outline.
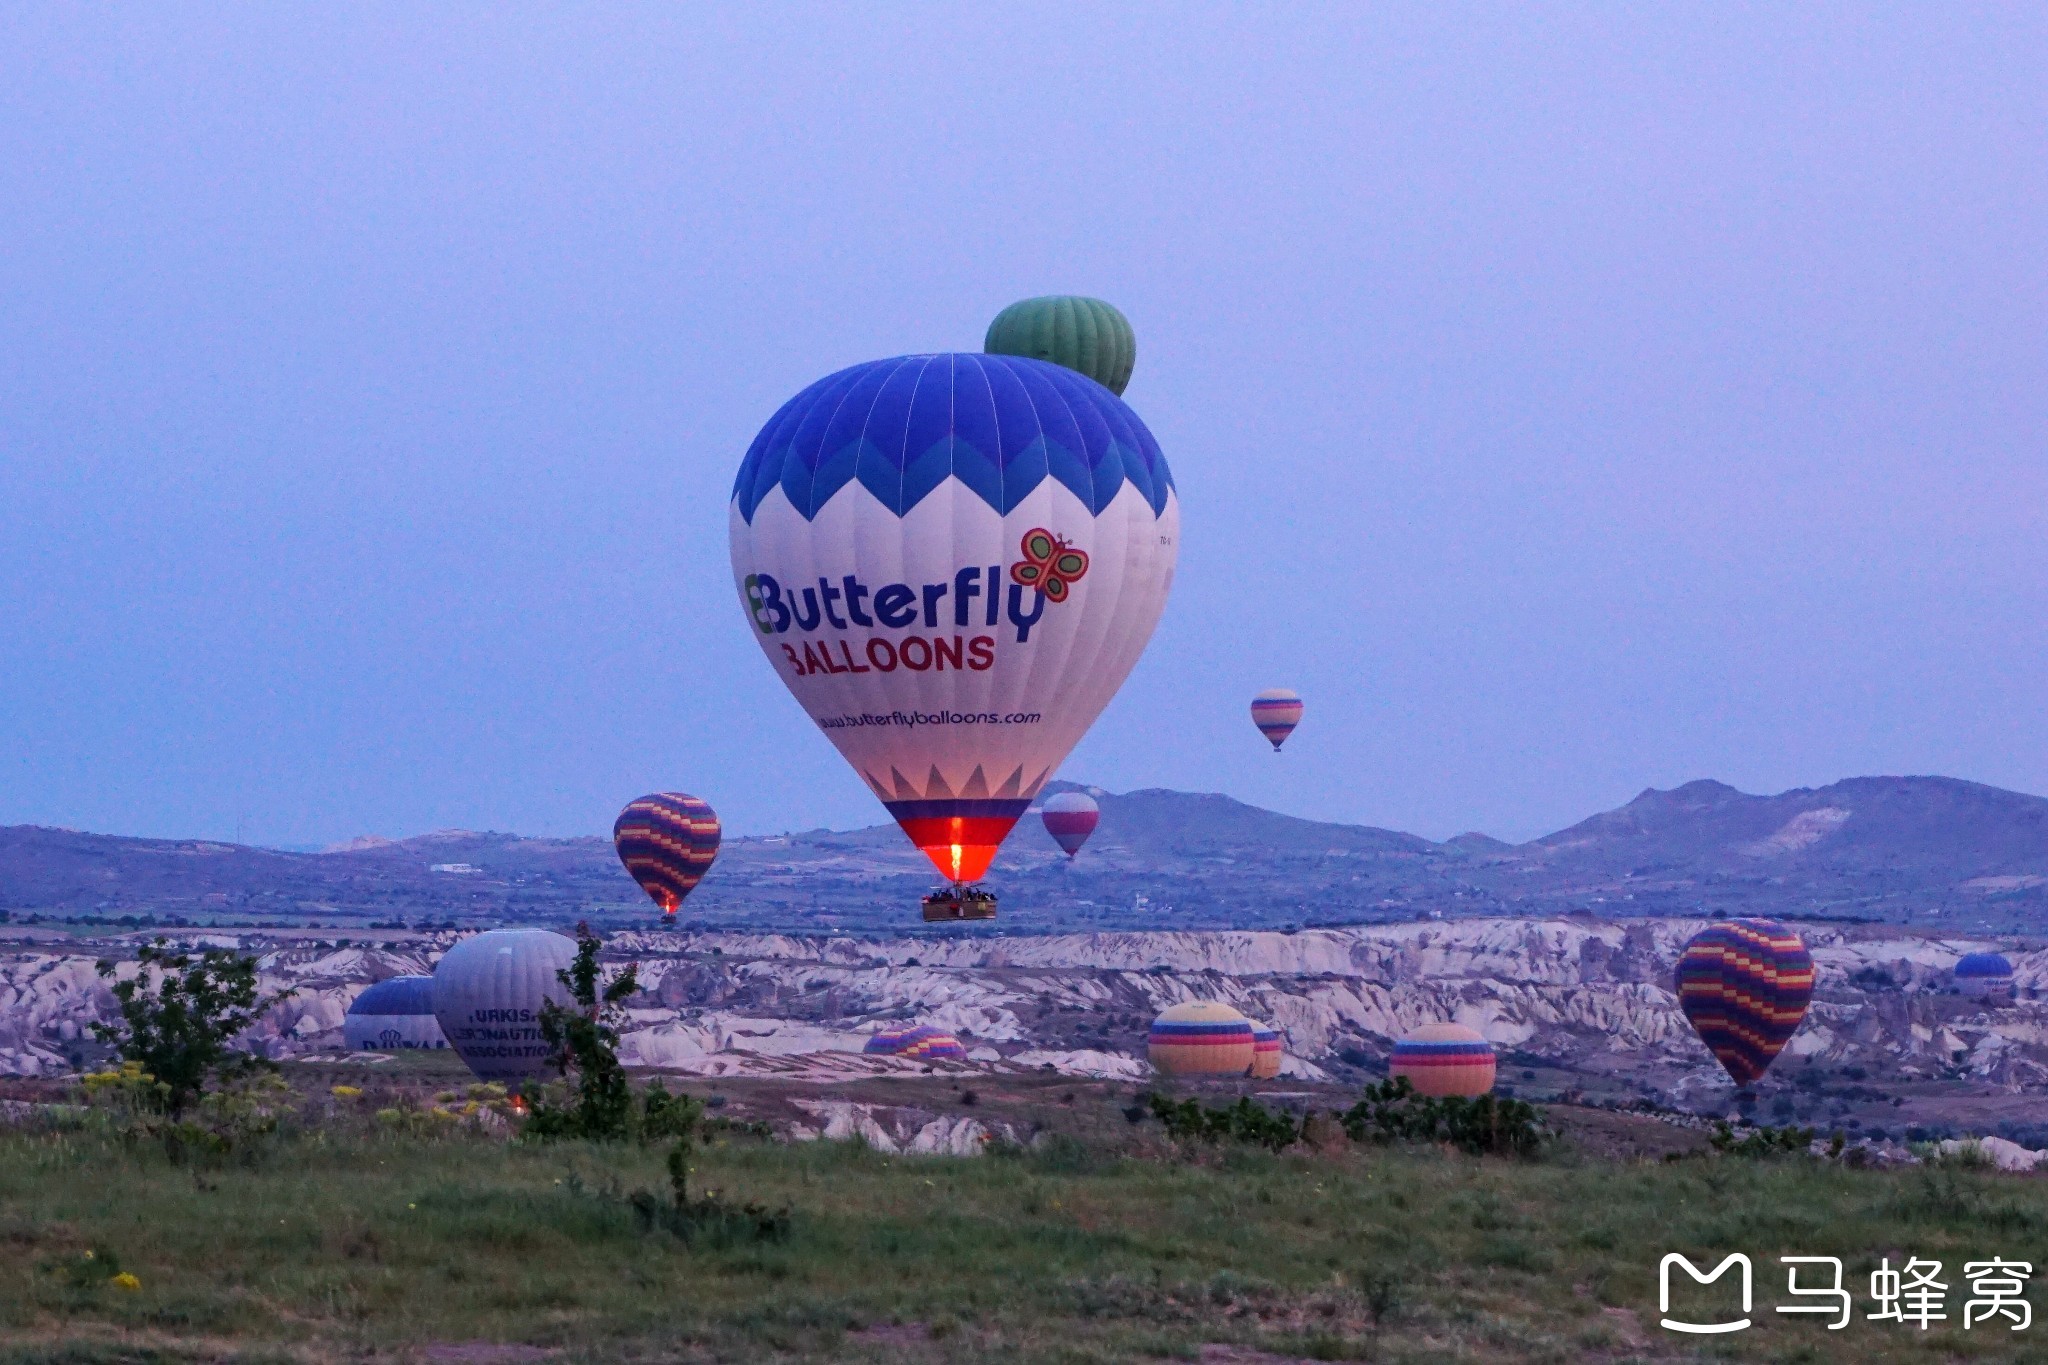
(1087, 336)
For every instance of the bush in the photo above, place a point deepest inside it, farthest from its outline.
(706, 1221)
(1245, 1121)
(1760, 1142)
(585, 1040)
(1484, 1126)
(664, 1116)
(179, 1017)
(233, 1120)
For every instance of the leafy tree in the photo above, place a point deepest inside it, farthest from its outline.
(180, 1016)
(585, 1039)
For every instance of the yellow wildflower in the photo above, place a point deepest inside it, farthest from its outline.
(346, 1092)
(127, 1281)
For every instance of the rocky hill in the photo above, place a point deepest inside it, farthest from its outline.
(1916, 850)
(1575, 1005)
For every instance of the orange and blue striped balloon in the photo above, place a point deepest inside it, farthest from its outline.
(1745, 986)
(1445, 1059)
(667, 841)
(920, 1042)
(1266, 1052)
(1276, 711)
(1201, 1038)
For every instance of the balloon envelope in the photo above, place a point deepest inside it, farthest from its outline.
(488, 991)
(1445, 1059)
(1201, 1038)
(1070, 817)
(920, 1042)
(1276, 711)
(667, 842)
(952, 562)
(1977, 973)
(1267, 1052)
(393, 1014)
(1085, 335)
(1745, 986)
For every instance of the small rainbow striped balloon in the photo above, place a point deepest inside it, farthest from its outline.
(919, 1042)
(1445, 1059)
(1745, 987)
(667, 841)
(1201, 1038)
(1276, 711)
(1266, 1052)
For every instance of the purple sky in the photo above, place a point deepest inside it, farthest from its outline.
(1564, 400)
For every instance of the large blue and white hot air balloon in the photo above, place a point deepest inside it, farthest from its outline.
(488, 992)
(953, 561)
(395, 1013)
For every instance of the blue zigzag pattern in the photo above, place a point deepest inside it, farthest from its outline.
(1000, 424)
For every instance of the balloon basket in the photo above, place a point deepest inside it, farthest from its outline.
(959, 904)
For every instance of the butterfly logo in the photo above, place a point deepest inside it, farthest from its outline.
(1050, 564)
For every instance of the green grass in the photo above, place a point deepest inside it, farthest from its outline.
(343, 1245)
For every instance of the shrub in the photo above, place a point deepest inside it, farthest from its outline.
(1757, 1143)
(664, 1116)
(585, 1040)
(181, 1014)
(1391, 1111)
(232, 1120)
(709, 1220)
(1244, 1121)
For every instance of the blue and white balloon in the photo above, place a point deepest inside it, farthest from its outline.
(392, 1015)
(953, 562)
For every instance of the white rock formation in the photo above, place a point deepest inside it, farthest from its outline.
(1592, 996)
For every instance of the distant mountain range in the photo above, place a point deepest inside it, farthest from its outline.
(1927, 850)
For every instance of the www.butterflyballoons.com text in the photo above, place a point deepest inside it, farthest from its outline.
(912, 719)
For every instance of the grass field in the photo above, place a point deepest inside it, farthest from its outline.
(341, 1242)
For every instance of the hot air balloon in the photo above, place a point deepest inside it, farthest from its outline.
(1276, 711)
(1267, 1052)
(1445, 1059)
(953, 561)
(1087, 336)
(1070, 817)
(1984, 974)
(920, 1042)
(488, 991)
(667, 841)
(1745, 985)
(395, 1013)
(1201, 1038)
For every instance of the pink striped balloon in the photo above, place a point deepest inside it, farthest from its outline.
(1070, 817)
(1276, 711)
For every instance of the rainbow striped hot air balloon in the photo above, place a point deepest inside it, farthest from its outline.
(1983, 973)
(667, 841)
(1201, 1038)
(1266, 1052)
(1745, 986)
(919, 1042)
(1276, 711)
(1445, 1059)
(1070, 817)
